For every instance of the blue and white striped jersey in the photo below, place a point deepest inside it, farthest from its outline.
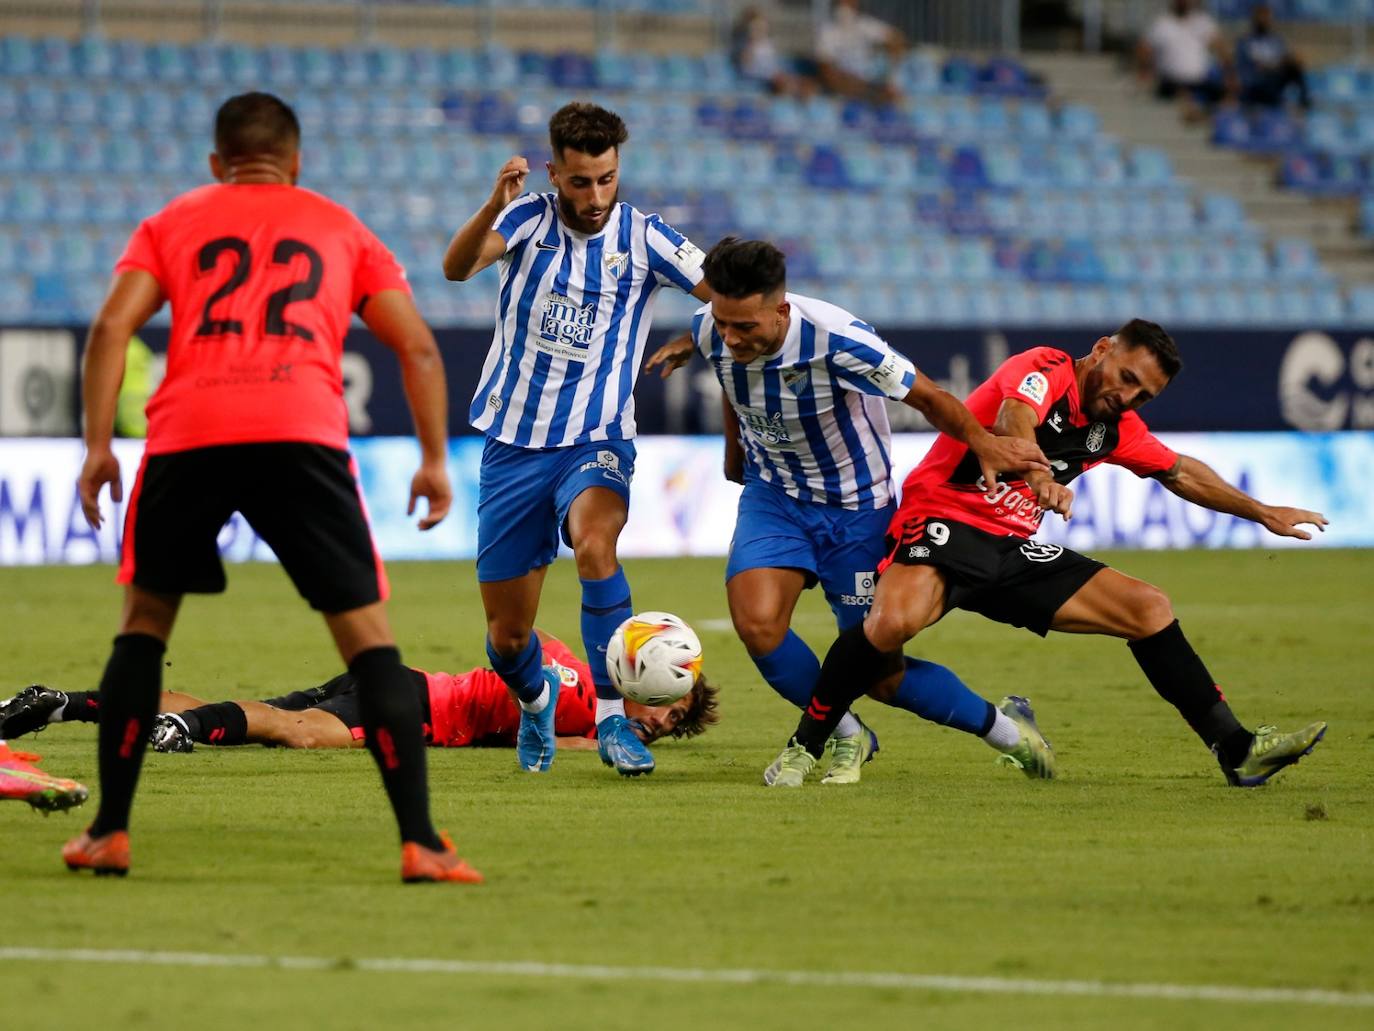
(572, 319)
(812, 415)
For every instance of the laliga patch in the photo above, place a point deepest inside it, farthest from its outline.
(689, 257)
(887, 377)
(1035, 386)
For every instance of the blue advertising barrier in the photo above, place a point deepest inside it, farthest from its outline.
(683, 506)
(1232, 379)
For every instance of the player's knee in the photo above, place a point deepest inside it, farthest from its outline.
(887, 629)
(1151, 611)
(758, 632)
(595, 553)
(508, 640)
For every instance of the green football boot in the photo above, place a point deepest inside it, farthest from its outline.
(793, 764)
(770, 772)
(850, 754)
(1271, 752)
(1032, 755)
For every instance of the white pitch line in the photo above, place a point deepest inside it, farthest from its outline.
(698, 975)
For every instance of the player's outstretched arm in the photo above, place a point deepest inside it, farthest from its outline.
(392, 316)
(1018, 419)
(949, 415)
(134, 296)
(672, 356)
(476, 245)
(1199, 483)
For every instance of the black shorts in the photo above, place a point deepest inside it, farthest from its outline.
(339, 697)
(301, 499)
(1009, 579)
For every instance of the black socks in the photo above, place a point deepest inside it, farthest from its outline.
(1176, 672)
(222, 723)
(851, 668)
(129, 692)
(391, 719)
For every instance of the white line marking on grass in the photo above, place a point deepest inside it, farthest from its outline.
(799, 978)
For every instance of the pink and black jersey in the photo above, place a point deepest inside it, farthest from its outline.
(948, 482)
(262, 280)
(475, 708)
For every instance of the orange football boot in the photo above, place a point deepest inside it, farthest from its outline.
(420, 864)
(105, 855)
(21, 780)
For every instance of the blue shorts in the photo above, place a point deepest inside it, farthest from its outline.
(838, 548)
(523, 497)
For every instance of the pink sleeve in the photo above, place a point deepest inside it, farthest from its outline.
(377, 270)
(1139, 450)
(141, 253)
(1038, 377)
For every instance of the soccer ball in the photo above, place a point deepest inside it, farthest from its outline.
(653, 658)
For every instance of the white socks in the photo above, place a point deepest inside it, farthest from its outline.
(539, 704)
(849, 726)
(1004, 735)
(606, 707)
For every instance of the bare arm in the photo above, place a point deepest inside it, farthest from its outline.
(1017, 419)
(702, 291)
(392, 316)
(995, 454)
(1199, 483)
(734, 450)
(477, 245)
(673, 355)
(134, 297)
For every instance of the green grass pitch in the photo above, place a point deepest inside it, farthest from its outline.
(1138, 866)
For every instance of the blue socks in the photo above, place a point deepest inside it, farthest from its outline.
(523, 674)
(605, 605)
(791, 669)
(933, 692)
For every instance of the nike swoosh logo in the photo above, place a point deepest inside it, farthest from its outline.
(540, 245)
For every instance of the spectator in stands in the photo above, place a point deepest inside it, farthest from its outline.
(856, 54)
(757, 60)
(1265, 65)
(1185, 53)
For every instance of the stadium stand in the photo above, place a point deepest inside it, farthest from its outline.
(980, 200)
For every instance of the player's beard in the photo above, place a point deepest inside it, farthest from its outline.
(573, 220)
(1093, 406)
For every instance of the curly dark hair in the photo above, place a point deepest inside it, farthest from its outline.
(255, 125)
(1151, 336)
(738, 268)
(702, 712)
(586, 127)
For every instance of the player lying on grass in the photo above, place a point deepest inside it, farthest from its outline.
(22, 781)
(956, 544)
(806, 432)
(459, 710)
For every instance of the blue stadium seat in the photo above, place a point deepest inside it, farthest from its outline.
(1361, 304)
(16, 298)
(242, 66)
(1295, 259)
(928, 121)
(961, 120)
(1293, 306)
(18, 56)
(919, 73)
(1033, 121)
(1077, 122)
(1150, 166)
